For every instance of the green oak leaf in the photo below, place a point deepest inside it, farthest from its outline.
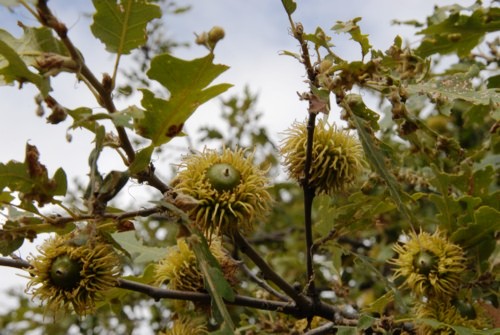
(13, 68)
(458, 33)
(364, 120)
(351, 27)
(9, 242)
(486, 223)
(290, 6)
(215, 283)
(142, 159)
(37, 47)
(34, 43)
(187, 83)
(140, 253)
(122, 26)
(456, 87)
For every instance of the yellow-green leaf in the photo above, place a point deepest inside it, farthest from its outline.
(187, 83)
(13, 68)
(122, 26)
(140, 253)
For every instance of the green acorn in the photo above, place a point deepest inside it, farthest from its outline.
(223, 176)
(424, 262)
(65, 272)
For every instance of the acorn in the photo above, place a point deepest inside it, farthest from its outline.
(65, 272)
(424, 262)
(223, 176)
(448, 313)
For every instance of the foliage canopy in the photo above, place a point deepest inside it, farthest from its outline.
(400, 236)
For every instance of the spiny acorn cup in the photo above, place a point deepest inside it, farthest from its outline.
(231, 191)
(179, 268)
(430, 265)
(337, 157)
(73, 273)
(448, 313)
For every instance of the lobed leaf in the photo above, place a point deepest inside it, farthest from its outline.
(8, 243)
(13, 68)
(37, 47)
(486, 223)
(187, 83)
(458, 33)
(122, 26)
(351, 27)
(455, 87)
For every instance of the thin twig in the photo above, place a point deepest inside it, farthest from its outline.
(102, 89)
(298, 310)
(160, 293)
(263, 284)
(18, 263)
(327, 328)
(308, 190)
(59, 221)
(105, 97)
(309, 193)
(268, 272)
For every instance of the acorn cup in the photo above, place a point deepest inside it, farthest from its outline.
(337, 157)
(231, 192)
(430, 265)
(449, 312)
(73, 276)
(179, 268)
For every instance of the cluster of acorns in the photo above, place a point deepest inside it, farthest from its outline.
(231, 195)
(231, 191)
(431, 267)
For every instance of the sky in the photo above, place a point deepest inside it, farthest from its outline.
(257, 32)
